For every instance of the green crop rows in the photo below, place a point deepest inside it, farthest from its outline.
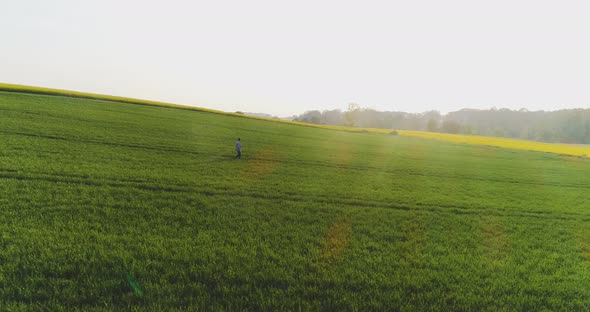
(106, 206)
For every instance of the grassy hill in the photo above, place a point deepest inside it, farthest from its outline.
(105, 205)
(561, 149)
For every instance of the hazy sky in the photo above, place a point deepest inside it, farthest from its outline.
(286, 57)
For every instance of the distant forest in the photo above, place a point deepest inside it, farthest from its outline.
(563, 126)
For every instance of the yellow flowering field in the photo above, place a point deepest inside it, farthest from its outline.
(563, 149)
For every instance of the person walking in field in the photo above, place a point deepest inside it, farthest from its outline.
(239, 148)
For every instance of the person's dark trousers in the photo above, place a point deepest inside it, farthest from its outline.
(239, 155)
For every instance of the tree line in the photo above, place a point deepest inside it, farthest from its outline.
(562, 126)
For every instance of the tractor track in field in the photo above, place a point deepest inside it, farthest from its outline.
(286, 196)
(295, 161)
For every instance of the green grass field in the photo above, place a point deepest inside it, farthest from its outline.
(106, 205)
